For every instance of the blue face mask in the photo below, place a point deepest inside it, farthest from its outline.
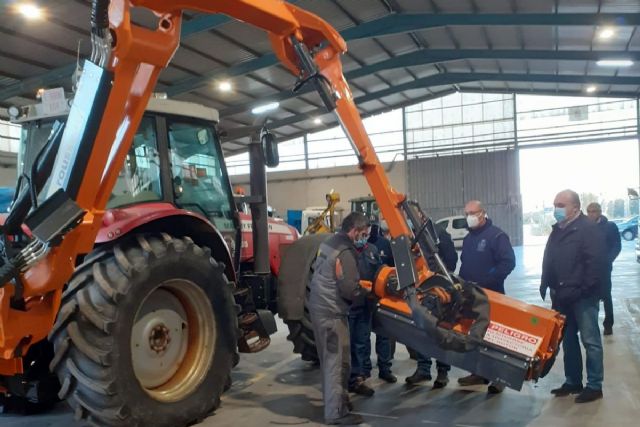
(360, 243)
(560, 214)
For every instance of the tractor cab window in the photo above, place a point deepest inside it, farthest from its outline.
(139, 178)
(200, 183)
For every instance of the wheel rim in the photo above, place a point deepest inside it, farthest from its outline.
(173, 340)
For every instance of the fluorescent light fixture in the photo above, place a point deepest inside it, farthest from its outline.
(591, 89)
(225, 86)
(29, 11)
(264, 108)
(606, 33)
(615, 63)
(317, 121)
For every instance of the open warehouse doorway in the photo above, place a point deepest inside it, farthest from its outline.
(599, 172)
(585, 144)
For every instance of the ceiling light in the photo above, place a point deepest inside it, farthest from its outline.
(264, 108)
(615, 63)
(224, 86)
(606, 33)
(317, 121)
(29, 11)
(591, 89)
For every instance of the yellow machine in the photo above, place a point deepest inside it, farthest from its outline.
(319, 224)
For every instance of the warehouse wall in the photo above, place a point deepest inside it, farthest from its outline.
(443, 185)
(303, 188)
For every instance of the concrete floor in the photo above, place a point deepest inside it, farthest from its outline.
(276, 388)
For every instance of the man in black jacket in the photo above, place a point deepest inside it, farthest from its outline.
(613, 247)
(335, 286)
(573, 268)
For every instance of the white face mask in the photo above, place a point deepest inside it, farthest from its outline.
(473, 221)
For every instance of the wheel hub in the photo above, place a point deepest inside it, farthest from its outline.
(159, 338)
(173, 340)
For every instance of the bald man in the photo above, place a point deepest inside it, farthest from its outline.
(573, 268)
(487, 259)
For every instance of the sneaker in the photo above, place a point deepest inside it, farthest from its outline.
(472, 379)
(608, 330)
(589, 395)
(361, 388)
(441, 380)
(418, 377)
(388, 377)
(566, 390)
(495, 388)
(347, 420)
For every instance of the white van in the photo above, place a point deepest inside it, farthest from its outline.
(456, 226)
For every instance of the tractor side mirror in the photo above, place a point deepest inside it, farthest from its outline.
(269, 148)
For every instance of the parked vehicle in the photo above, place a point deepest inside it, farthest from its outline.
(456, 226)
(6, 197)
(628, 227)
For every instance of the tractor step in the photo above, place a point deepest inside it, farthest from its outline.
(255, 330)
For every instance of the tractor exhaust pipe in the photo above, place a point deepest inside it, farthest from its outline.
(259, 217)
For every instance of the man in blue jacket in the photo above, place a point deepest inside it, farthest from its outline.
(573, 268)
(613, 247)
(487, 259)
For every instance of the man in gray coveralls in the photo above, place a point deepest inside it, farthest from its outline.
(334, 287)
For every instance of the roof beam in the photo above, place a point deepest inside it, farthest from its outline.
(432, 56)
(387, 25)
(406, 22)
(446, 79)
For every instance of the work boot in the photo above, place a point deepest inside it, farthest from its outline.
(589, 395)
(441, 380)
(418, 377)
(566, 390)
(472, 379)
(495, 388)
(388, 377)
(608, 330)
(347, 420)
(359, 387)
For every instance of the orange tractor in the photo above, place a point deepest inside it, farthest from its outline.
(145, 324)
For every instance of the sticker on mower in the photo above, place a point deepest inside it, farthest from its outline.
(512, 339)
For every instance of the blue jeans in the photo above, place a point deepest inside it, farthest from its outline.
(582, 318)
(360, 339)
(424, 365)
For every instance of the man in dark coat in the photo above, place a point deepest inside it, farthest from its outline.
(447, 252)
(573, 268)
(334, 287)
(613, 247)
(487, 259)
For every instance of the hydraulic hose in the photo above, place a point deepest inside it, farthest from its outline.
(43, 164)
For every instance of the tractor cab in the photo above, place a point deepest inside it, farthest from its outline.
(175, 158)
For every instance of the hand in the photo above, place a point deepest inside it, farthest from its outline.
(543, 292)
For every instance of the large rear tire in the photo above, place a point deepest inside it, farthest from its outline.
(301, 334)
(146, 334)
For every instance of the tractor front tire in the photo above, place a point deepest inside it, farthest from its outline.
(146, 334)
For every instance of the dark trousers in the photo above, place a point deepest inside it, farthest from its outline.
(360, 338)
(608, 303)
